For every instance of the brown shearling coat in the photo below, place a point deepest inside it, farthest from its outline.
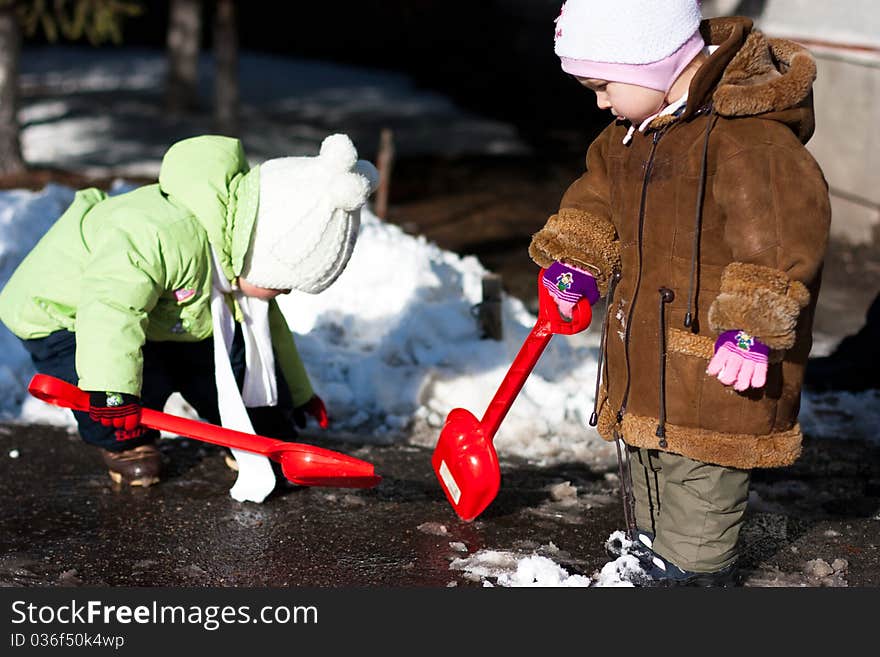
(734, 234)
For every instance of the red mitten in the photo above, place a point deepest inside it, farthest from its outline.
(118, 410)
(314, 407)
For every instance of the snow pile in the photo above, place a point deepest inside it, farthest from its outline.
(536, 570)
(510, 569)
(24, 218)
(620, 573)
(392, 346)
(838, 414)
(501, 568)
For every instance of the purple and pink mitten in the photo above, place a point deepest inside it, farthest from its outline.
(740, 359)
(567, 284)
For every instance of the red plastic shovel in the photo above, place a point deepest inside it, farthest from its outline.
(464, 459)
(305, 465)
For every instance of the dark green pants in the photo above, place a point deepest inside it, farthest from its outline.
(695, 510)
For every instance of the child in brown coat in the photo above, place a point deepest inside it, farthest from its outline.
(704, 220)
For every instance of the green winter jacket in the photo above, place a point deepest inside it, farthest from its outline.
(124, 269)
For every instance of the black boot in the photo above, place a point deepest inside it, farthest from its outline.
(660, 572)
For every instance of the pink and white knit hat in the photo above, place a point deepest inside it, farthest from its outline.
(642, 42)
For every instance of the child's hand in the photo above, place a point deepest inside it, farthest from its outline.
(118, 410)
(314, 407)
(740, 359)
(567, 284)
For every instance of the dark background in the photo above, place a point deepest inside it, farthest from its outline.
(493, 57)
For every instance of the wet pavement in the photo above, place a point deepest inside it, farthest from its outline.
(65, 523)
(816, 523)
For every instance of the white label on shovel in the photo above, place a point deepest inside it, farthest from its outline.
(449, 480)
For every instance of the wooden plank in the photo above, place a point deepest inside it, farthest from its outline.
(489, 309)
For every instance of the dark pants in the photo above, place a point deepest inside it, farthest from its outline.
(184, 367)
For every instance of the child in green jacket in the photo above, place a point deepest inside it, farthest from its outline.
(172, 286)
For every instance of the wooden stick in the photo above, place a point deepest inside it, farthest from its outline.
(384, 163)
(490, 308)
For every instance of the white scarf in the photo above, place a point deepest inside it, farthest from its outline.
(255, 476)
(672, 108)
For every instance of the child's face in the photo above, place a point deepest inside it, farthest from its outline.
(264, 293)
(628, 101)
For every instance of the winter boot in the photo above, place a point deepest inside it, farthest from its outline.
(139, 466)
(660, 572)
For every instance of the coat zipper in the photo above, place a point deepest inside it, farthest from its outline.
(649, 166)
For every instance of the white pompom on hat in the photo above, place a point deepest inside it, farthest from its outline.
(308, 217)
(643, 42)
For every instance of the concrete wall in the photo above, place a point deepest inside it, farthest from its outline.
(847, 142)
(845, 39)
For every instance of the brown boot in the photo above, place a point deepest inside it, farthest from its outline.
(230, 461)
(139, 466)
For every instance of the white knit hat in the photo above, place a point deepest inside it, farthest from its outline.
(644, 42)
(308, 217)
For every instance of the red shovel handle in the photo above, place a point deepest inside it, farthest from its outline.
(60, 393)
(515, 379)
(549, 322)
(306, 465)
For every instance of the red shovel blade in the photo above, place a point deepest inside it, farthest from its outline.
(302, 464)
(313, 466)
(466, 464)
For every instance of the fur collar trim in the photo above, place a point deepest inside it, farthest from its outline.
(752, 75)
(765, 75)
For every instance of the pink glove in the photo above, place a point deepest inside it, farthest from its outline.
(567, 284)
(739, 359)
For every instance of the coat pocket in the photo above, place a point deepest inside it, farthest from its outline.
(687, 357)
(702, 401)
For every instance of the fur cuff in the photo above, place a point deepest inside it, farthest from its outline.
(761, 301)
(581, 239)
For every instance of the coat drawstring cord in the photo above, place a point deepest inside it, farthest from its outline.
(624, 469)
(615, 277)
(698, 218)
(666, 296)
